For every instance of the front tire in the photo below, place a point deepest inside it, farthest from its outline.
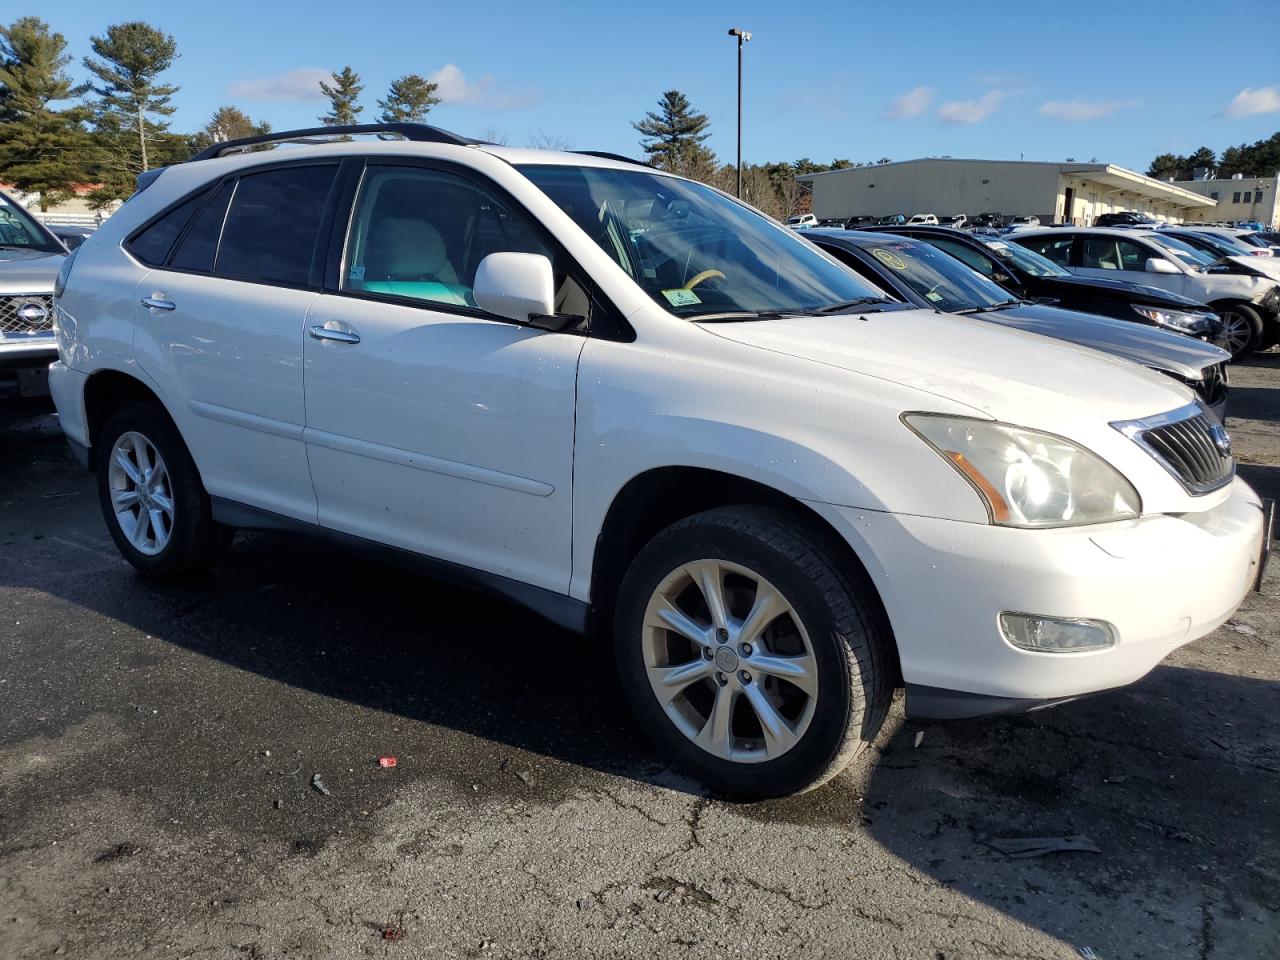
(152, 497)
(1241, 329)
(749, 654)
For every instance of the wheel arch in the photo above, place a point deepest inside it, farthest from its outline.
(109, 390)
(653, 500)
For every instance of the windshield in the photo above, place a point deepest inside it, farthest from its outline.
(695, 251)
(1027, 260)
(1224, 246)
(1185, 252)
(19, 229)
(941, 279)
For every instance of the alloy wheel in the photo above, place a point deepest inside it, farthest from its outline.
(729, 661)
(141, 495)
(1236, 331)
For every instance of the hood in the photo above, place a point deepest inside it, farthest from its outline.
(28, 271)
(1008, 374)
(1266, 267)
(1160, 350)
(1134, 292)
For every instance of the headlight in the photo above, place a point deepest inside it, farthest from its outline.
(1182, 321)
(1028, 478)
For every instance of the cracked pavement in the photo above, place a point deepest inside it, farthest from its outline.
(157, 745)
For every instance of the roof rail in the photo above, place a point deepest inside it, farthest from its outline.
(418, 132)
(603, 155)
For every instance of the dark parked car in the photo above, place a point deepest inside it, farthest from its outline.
(1126, 218)
(987, 220)
(1029, 276)
(922, 275)
(892, 219)
(71, 236)
(853, 223)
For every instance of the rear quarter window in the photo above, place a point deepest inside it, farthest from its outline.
(153, 242)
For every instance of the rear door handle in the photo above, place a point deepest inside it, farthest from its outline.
(157, 302)
(320, 332)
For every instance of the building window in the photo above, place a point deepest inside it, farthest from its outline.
(1235, 197)
(1257, 196)
(1213, 195)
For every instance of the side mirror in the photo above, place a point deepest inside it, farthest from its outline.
(1161, 265)
(518, 286)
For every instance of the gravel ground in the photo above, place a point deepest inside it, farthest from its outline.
(158, 743)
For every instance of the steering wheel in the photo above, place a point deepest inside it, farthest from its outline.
(704, 275)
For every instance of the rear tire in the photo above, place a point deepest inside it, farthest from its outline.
(1241, 329)
(764, 705)
(152, 497)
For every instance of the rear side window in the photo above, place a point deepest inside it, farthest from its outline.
(199, 245)
(153, 243)
(273, 225)
(1057, 249)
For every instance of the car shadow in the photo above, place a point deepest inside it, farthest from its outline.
(1174, 779)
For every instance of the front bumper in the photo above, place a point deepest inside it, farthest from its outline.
(1161, 581)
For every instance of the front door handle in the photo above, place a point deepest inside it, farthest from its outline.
(320, 332)
(158, 302)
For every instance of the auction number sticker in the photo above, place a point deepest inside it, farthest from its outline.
(680, 297)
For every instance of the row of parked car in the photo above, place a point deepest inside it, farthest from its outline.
(1226, 271)
(780, 482)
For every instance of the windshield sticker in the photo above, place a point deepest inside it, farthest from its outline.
(680, 297)
(934, 296)
(889, 258)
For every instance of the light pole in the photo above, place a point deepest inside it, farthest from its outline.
(743, 37)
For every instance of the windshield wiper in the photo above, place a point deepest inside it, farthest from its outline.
(848, 304)
(1002, 305)
(742, 315)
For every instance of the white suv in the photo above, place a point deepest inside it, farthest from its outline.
(627, 400)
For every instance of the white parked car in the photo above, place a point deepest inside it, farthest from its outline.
(631, 402)
(926, 218)
(801, 221)
(1249, 304)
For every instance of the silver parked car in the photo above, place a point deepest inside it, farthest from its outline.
(29, 260)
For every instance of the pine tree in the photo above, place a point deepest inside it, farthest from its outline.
(131, 57)
(409, 100)
(342, 94)
(674, 135)
(227, 123)
(41, 149)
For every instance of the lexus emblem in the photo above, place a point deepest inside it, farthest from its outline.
(1221, 439)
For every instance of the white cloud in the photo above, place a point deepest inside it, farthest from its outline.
(971, 111)
(454, 87)
(300, 84)
(1252, 101)
(1084, 109)
(910, 104)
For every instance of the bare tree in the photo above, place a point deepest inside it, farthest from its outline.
(541, 140)
(492, 134)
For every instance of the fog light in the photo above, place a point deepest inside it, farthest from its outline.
(1056, 635)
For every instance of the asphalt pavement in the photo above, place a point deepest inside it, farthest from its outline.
(158, 746)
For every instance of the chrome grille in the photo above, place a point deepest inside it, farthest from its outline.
(12, 309)
(1190, 443)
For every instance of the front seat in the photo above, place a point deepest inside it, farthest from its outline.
(407, 258)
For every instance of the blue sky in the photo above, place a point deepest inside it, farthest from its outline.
(1119, 81)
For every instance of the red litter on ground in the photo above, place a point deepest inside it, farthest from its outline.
(386, 761)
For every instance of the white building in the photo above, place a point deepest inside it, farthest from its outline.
(1241, 198)
(1054, 192)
